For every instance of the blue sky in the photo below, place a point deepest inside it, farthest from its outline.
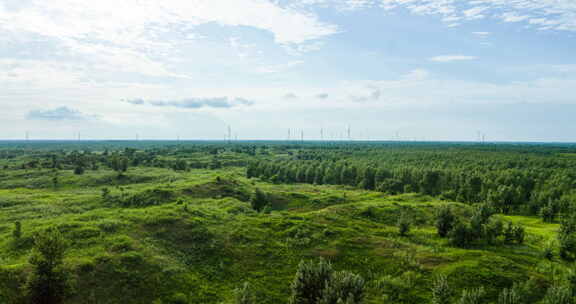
(413, 69)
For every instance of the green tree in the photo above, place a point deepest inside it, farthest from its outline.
(548, 251)
(430, 183)
(444, 220)
(119, 164)
(509, 233)
(309, 282)
(547, 214)
(48, 283)
(343, 287)
(519, 234)
(404, 225)
(492, 230)
(318, 283)
(460, 236)
(258, 200)
(567, 239)
(79, 169)
(55, 181)
(17, 232)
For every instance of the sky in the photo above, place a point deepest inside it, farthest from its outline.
(435, 70)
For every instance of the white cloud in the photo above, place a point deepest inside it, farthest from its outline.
(482, 34)
(39, 74)
(278, 68)
(451, 58)
(475, 12)
(513, 17)
(58, 114)
(136, 36)
(144, 21)
(541, 14)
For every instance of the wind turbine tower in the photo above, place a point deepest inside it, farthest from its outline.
(229, 134)
(348, 133)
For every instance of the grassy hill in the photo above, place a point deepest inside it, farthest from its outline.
(165, 236)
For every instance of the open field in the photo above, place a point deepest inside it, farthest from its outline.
(161, 235)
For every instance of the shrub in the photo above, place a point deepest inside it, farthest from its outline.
(309, 282)
(492, 230)
(243, 295)
(567, 246)
(404, 225)
(444, 220)
(509, 233)
(178, 298)
(547, 214)
(48, 283)
(472, 296)
(397, 288)
(509, 296)
(79, 170)
(519, 234)
(17, 232)
(343, 287)
(441, 291)
(317, 283)
(258, 200)
(460, 236)
(548, 252)
(558, 294)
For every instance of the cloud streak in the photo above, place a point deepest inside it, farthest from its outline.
(451, 58)
(195, 102)
(557, 15)
(58, 114)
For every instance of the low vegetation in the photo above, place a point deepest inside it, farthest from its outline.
(271, 222)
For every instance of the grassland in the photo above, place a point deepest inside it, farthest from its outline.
(202, 240)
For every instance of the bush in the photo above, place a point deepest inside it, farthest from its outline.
(343, 287)
(178, 298)
(317, 283)
(79, 170)
(548, 252)
(547, 214)
(567, 246)
(404, 225)
(396, 289)
(460, 236)
(309, 282)
(444, 220)
(48, 283)
(509, 296)
(472, 296)
(509, 233)
(258, 200)
(441, 292)
(17, 232)
(244, 295)
(519, 234)
(558, 294)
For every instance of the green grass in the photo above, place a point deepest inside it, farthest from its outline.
(206, 240)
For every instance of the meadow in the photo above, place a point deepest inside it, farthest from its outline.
(216, 222)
